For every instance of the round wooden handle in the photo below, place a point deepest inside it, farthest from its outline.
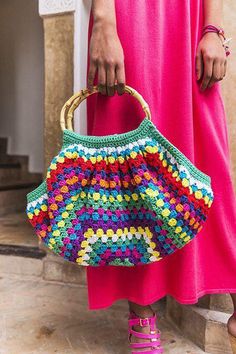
(67, 112)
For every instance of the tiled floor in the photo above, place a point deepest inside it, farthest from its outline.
(45, 317)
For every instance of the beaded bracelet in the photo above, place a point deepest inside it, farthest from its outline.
(220, 32)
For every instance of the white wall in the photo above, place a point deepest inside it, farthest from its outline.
(21, 79)
(80, 59)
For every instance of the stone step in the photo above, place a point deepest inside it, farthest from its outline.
(30, 183)
(14, 199)
(13, 173)
(13, 190)
(35, 262)
(22, 251)
(31, 177)
(19, 250)
(217, 302)
(3, 145)
(23, 160)
(205, 328)
(57, 269)
(10, 172)
(20, 245)
(6, 165)
(16, 230)
(21, 260)
(14, 168)
(19, 265)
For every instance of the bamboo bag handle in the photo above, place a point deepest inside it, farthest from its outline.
(67, 112)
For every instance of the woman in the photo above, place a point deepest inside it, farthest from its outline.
(157, 47)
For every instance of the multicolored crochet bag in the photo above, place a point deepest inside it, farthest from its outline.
(124, 199)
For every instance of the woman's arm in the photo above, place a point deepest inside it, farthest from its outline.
(104, 10)
(106, 53)
(211, 58)
(213, 12)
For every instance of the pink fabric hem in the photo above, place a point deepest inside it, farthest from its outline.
(151, 301)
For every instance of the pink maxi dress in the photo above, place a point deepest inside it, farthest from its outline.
(159, 40)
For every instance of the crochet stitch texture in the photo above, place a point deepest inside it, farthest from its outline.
(122, 199)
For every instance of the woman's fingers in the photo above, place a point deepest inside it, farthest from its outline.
(102, 80)
(120, 78)
(217, 73)
(110, 83)
(108, 75)
(224, 67)
(208, 68)
(214, 71)
(210, 60)
(91, 75)
(199, 65)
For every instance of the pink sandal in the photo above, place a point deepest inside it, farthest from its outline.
(154, 335)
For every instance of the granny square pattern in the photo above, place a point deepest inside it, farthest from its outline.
(123, 199)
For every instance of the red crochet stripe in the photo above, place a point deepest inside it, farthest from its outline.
(39, 219)
(152, 159)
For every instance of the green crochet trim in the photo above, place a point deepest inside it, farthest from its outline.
(37, 192)
(145, 129)
(107, 140)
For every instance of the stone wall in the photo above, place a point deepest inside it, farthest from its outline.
(59, 49)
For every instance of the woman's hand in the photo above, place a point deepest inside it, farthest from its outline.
(106, 59)
(210, 60)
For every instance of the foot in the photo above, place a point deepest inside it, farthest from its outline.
(231, 325)
(144, 312)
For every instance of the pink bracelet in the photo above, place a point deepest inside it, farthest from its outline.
(220, 32)
(212, 28)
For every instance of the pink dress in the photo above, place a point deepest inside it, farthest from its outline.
(159, 39)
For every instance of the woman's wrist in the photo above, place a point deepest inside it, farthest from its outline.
(214, 22)
(104, 13)
(103, 22)
(104, 19)
(212, 30)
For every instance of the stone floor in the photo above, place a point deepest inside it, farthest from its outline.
(48, 317)
(38, 315)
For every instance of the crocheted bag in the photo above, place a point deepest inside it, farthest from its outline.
(123, 199)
